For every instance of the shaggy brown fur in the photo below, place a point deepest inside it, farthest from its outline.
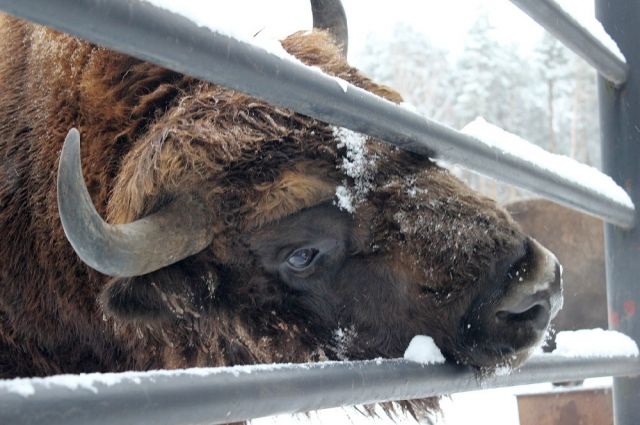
(421, 252)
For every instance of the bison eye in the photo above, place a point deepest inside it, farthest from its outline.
(301, 258)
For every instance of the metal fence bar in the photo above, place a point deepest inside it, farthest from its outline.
(566, 29)
(620, 126)
(152, 34)
(232, 394)
(144, 31)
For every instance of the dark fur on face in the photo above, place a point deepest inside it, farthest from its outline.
(289, 277)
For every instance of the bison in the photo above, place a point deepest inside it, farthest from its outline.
(227, 243)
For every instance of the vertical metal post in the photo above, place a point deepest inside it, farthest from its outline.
(620, 123)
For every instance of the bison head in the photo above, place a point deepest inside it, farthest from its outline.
(249, 233)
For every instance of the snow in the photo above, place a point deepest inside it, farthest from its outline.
(497, 405)
(342, 340)
(422, 349)
(409, 107)
(21, 387)
(594, 343)
(91, 381)
(347, 415)
(493, 406)
(567, 168)
(345, 199)
(356, 164)
(219, 23)
(210, 16)
(591, 24)
(603, 382)
(344, 85)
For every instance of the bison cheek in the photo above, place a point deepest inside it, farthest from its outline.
(177, 291)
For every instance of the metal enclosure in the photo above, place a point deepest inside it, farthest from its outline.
(565, 28)
(620, 124)
(142, 30)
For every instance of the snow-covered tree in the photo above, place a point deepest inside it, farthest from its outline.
(411, 64)
(583, 139)
(478, 78)
(547, 96)
(553, 65)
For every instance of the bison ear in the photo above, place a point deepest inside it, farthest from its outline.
(175, 292)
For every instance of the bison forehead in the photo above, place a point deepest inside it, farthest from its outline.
(437, 227)
(210, 139)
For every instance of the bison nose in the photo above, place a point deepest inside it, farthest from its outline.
(505, 323)
(534, 309)
(533, 294)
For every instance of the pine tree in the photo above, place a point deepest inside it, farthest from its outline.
(409, 63)
(478, 77)
(553, 61)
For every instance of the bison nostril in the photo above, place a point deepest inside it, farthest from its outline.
(515, 266)
(534, 312)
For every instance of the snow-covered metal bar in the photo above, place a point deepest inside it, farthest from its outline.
(150, 33)
(206, 396)
(565, 28)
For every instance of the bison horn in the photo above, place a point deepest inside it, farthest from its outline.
(180, 229)
(329, 15)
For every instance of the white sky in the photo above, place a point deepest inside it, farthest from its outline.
(444, 22)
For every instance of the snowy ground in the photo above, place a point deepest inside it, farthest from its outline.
(490, 407)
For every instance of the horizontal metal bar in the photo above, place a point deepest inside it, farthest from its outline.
(150, 33)
(206, 396)
(565, 28)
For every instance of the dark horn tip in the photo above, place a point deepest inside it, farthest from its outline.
(330, 15)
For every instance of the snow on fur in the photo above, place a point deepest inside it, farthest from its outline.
(344, 199)
(356, 164)
(342, 340)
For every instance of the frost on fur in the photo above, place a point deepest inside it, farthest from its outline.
(342, 340)
(344, 199)
(357, 165)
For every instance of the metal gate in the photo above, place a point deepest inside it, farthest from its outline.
(237, 393)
